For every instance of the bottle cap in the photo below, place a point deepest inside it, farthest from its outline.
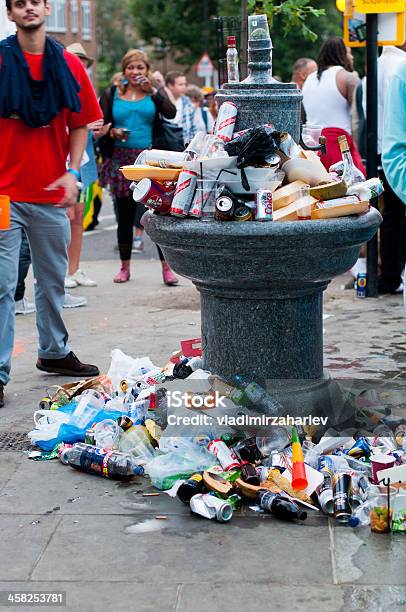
(231, 41)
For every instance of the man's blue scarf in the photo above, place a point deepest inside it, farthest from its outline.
(36, 102)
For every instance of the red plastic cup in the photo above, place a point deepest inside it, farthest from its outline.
(4, 212)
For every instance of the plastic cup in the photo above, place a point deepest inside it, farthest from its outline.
(277, 439)
(380, 523)
(4, 212)
(90, 403)
(311, 134)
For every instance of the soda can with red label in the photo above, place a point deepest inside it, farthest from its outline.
(157, 196)
(225, 456)
(263, 205)
(225, 123)
(184, 192)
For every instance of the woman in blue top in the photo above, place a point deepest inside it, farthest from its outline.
(131, 113)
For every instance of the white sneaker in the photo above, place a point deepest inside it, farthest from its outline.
(70, 282)
(24, 307)
(81, 279)
(360, 267)
(74, 301)
(138, 245)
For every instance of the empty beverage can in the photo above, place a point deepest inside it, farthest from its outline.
(263, 205)
(362, 285)
(342, 492)
(157, 196)
(225, 456)
(210, 507)
(184, 192)
(224, 209)
(225, 123)
(242, 213)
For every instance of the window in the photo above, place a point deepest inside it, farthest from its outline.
(56, 21)
(86, 20)
(74, 16)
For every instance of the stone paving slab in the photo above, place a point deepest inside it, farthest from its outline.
(187, 549)
(23, 538)
(362, 557)
(264, 596)
(9, 464)
(92, 596)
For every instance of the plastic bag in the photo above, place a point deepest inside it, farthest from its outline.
(252, 147)
(185, 459)
(48, 432)
(123, 366)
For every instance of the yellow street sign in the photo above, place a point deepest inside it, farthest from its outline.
(379, 6)
(391, 29)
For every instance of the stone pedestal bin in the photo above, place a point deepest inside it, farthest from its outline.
(261, 288)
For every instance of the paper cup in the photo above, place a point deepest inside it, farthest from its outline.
(380, 462)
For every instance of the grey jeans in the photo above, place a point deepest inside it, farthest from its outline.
(48, 232)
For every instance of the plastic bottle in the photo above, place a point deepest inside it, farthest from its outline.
(280, 506)
(257, 396)
(352, 174)
(186, 367)
(232, 61)
(361, 515)
(110, 464)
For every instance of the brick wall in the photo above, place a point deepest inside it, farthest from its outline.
(87, 40)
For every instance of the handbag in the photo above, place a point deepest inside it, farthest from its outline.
(168, 136)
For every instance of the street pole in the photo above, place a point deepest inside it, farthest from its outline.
(372, 141)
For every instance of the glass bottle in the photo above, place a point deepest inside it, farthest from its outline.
(232, 61)
(352, 174)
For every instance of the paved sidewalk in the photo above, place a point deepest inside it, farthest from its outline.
(64, 530)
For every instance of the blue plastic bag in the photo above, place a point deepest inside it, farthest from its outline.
(71, 433)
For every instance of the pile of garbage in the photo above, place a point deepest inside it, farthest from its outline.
(119, 426)
(257, 174)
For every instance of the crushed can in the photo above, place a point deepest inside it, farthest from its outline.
(210, 507)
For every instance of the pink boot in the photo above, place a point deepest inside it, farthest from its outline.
(168, 276)
(123, 275)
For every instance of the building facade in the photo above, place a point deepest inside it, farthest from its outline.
(74, 21)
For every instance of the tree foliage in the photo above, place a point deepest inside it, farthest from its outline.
(187, 28)
(184, 26)
(115, 34)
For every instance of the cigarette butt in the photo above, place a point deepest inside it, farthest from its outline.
(161, 517)
(150, 494)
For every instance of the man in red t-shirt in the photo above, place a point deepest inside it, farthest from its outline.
(33, 172)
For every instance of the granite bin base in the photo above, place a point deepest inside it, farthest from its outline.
(261, 288)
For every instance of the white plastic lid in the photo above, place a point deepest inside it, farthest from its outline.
(141, 189)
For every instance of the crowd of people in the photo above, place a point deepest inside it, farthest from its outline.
(48, 105)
